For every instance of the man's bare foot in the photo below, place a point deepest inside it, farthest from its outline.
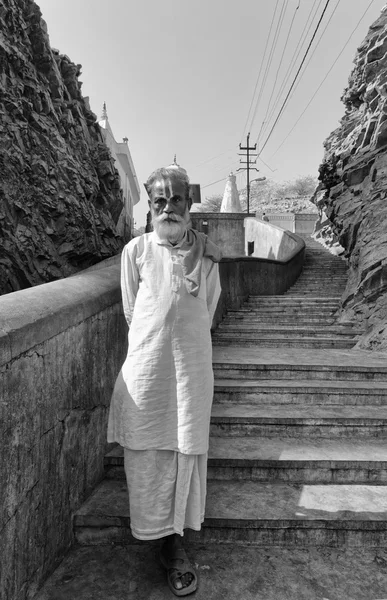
(182, 578)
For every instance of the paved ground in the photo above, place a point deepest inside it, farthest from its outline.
(225, 571)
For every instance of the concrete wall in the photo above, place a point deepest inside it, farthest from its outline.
(61, 347)
(226, 230)
(269, 240)
(302, 223)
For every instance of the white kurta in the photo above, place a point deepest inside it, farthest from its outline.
(163, 395)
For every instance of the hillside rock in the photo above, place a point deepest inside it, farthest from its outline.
(353, 191)
(60, 195)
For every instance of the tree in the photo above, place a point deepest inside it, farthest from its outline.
(268, 193)
(303, 186)
(212, 203)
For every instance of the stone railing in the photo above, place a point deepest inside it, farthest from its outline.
(61, 347)
(269, 241)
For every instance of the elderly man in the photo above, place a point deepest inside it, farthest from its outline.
(161, 404)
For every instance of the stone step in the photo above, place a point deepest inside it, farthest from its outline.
(325, 310)
(254, 513)
(315, 272)
(317, 280)
(283, 342)
(288, 299)
(286, 460)
(286, 420)
(301, 391)
(297, 303)
(321, 280)
(313, 262)
(282, 363)
(313, 294)
(322, 287)
(318, 285)
(262, 330)
(282, 321)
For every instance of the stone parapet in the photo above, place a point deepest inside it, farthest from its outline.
(226, 230)
(61, 347)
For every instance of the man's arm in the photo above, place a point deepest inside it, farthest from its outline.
(213, 289)
(129, 280)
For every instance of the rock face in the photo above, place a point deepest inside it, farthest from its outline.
(353, 190)
(60, 195)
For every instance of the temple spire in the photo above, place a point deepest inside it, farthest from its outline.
(230, 202)
(104, 111)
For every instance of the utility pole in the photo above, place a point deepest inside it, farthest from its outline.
(248, 148)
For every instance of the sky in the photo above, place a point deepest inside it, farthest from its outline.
(193, 77)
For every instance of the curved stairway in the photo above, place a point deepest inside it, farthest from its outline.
(297, 442)
(305, 316)
(297, 472)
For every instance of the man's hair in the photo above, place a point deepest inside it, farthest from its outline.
(176, 175)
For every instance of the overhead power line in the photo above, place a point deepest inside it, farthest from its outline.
(213, 183)
(213, 158)
(297, 51)
(325, 77)
(269, 61)
(295, 78)
(229, 168)
(279, 67)
(315, 48)
(260, 68)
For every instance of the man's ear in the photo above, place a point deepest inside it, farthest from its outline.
(149, 203)
(189, 203)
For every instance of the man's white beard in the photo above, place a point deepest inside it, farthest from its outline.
(169, 231)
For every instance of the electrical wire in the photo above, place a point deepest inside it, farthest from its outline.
(304, 34)
(213, 183)
(295, 78)
(314, 50)
(233, 165)
(279, 68)
(268, 64)
(213, 158)
(325, 77)
(260, 69)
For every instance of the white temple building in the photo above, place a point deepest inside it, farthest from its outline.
(129, 183)
(230, 202)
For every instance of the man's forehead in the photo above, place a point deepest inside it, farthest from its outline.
(167, 187)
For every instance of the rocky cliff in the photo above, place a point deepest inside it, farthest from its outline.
(353, 190)
(60, 195)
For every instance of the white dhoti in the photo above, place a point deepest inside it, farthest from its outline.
(167, 492)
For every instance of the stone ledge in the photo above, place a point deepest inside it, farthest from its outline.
(29, 317)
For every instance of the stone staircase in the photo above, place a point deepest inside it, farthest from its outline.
(298, 453)
(305, 316)
(297, 444)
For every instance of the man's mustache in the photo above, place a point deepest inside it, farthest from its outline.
(174, 218)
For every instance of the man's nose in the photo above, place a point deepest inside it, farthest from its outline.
(169, 208)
